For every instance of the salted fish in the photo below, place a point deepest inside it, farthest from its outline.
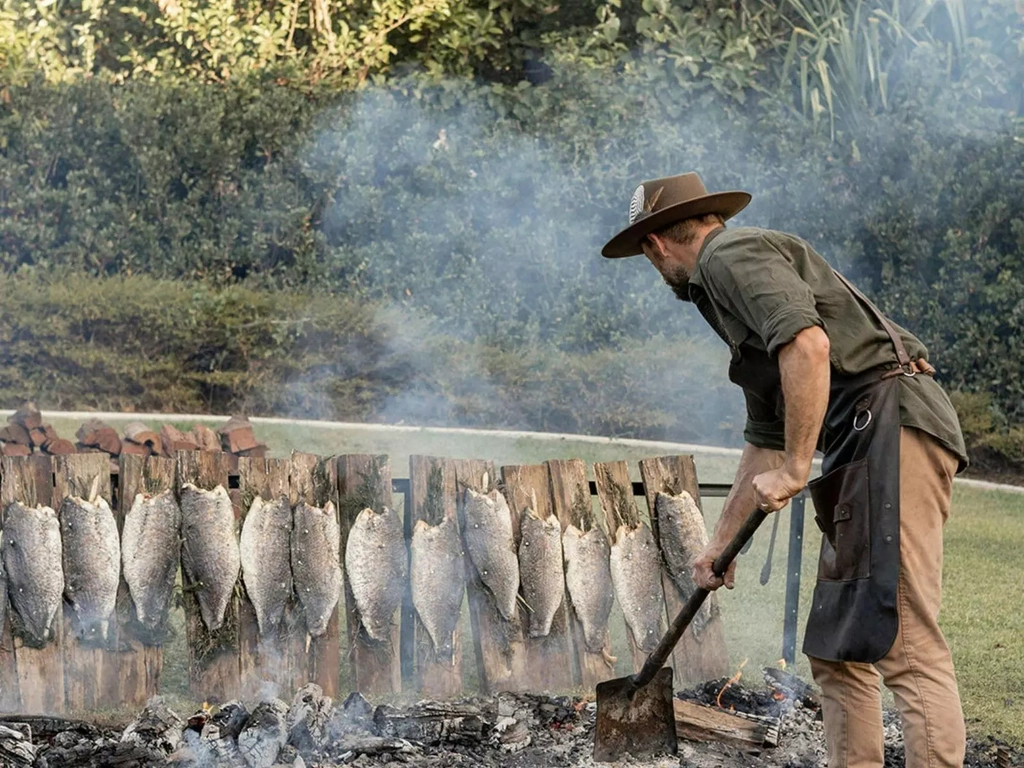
(680, 526)
(316, 563)
(35, 573)
(375, 562)
(491, 547)
(150, 553)
(3, 586)
(636, 576)
(438, 581)
(541, 571)
(209, 553)
(265, 553)
(91, 553)
(589, 581)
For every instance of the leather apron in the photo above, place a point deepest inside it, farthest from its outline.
(857, 507)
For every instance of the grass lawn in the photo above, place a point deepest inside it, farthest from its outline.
(984, 577)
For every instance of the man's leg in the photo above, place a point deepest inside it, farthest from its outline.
(851, 707)
(919, 669)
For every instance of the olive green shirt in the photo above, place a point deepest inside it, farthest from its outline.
(758, 288)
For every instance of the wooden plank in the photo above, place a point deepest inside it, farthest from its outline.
(697, 722)
(314, 480)
(141, 656)
(498, 644)
(432, 491)
(549, 659)
(213, 656)
(570, 494)
(90, 669)
(695, 658)
(264, 660)
(40, 678)
(615, 494)
(364, 482)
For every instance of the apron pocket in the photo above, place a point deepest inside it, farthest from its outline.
(842, 507)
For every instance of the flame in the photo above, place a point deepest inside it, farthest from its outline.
(781, 663)
(779, 696)
(734, 679)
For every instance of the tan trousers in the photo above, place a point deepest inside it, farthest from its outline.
(918, 669)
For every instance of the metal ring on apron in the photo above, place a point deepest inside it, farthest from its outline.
(865, 424)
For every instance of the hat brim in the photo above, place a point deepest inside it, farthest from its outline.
(627, 242)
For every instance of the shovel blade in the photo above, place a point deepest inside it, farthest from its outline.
(642, 725)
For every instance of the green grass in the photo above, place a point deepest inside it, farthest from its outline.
(984, 578)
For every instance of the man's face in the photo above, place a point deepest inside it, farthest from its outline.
(673, 271)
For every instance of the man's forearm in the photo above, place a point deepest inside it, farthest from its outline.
(741, 499)
(805, 369)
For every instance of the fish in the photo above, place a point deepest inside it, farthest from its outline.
(265, 553)
(636, 576)
(316, 563)
(3, 587)
(438, 581)
(209, 553)
(589, 582)
(680, 526)
(491, 547)
(91, 556)
(375, 562)
(35, 574)
(150, 553)
(541, 571)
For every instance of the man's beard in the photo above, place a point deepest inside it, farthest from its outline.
(678, 279)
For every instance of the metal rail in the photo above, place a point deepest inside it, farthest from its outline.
(794, 560)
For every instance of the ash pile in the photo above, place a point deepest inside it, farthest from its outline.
(509, 730)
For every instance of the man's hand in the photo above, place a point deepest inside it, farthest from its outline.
(776, 487)
(704, 576)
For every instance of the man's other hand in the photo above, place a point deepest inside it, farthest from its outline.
(776, 487)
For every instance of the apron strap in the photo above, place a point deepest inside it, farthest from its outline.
(901, 351)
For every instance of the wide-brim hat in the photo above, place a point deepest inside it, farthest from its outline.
(662, 202)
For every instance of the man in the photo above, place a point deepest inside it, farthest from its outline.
(821, 367)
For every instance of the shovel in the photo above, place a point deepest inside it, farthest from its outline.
(634, 714)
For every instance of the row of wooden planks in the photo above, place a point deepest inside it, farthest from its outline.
(235, 660)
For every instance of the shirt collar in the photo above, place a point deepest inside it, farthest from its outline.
(695, 277)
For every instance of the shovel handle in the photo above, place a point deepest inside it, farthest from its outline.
(660, 654)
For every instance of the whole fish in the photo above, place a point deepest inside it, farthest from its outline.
(3, 586)
(682, 535)
(636, 576)
(265, 552)
(35, 573)
(589, 581)
(91, 550)
(209, 552)
(150, 553)
(438, 581)
(375, 562)
(541, 570)
(316, 563)
(491, 548)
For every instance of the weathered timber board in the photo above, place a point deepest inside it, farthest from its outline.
(695, 659)
(497, 642)
(696, 722)
(314, 480)
(432, 498)
(39, 671)
(570, 494)
(262, 660)
(140, 659)
(615, 494)
(213, 656)
(549, 659)
(90, 669)
(364, 482)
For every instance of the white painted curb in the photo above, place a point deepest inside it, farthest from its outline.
(652, 445)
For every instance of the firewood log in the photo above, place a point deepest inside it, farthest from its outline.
(15, 433)
(140, 434)
(237, 435)
(16, 449)
(96, 434)
(27, 416)
(173, 439)
(59, 447)
(206, 438)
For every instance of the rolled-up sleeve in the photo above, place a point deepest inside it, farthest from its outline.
(751, 278)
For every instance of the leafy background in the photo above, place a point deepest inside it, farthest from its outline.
(392, 210)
